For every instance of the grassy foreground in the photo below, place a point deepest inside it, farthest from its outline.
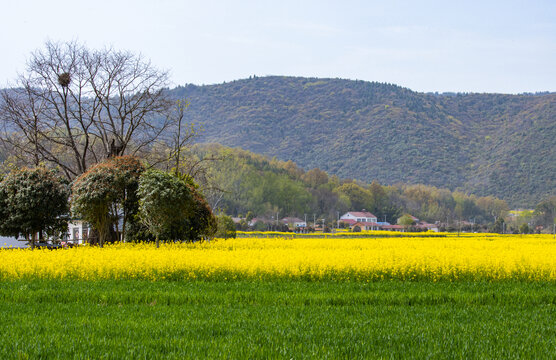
(117, 319)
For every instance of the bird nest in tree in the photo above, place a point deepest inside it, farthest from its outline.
(64, 79)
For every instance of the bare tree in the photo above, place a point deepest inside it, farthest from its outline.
(74, 107)
(182, 137)
(178, 154)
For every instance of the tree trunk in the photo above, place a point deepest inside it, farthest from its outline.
(102, 235)
(157, 241)
(124, 220)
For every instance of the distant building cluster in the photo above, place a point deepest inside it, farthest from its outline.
(364, 220)
(354, 220)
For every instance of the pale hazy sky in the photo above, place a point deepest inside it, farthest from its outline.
(475, 46)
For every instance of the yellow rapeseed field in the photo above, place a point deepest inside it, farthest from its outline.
(470, 257)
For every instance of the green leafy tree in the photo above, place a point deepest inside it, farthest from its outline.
(315, 177)
(379, 198)
(202, 224)
(545, 212)
(492, 207)
(225, 227)
(359, 197)
(524, 229)
(498, 226)
(171, 208)
(106, 194)
(33, 201)
(260, 226)
(406, 221)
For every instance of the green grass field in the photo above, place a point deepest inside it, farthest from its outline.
(277, 319)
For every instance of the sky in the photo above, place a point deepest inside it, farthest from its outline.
(503, 46)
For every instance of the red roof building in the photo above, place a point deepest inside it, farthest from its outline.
(359, 216)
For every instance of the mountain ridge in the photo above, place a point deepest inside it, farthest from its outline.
(486, 144)
(366, 130)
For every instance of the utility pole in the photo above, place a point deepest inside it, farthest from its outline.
(314, 221)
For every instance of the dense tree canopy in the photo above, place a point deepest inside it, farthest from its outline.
(106, 195)
(172, 209)
(33, 201)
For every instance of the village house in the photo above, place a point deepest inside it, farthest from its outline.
(427, 227)
(78, 232)
(262, 220)
(358, 216)
(423, 225)
(294, 223)
(392, 227)
(363, 220)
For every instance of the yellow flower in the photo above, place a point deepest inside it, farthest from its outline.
(469, 257)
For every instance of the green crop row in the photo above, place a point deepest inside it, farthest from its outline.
(276, 319)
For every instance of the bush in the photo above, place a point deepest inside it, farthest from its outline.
(225, 227)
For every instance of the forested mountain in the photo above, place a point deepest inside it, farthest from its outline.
(485, 144)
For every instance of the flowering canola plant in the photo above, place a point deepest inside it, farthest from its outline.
(471, 257)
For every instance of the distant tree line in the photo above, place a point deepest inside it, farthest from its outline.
(255, 184)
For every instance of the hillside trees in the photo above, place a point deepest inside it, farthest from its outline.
(73, 107)
(252, 183)
(359, 197)
(315, 177)
(367, 131)
(265, 186)
(33, 202)
(492, 207)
